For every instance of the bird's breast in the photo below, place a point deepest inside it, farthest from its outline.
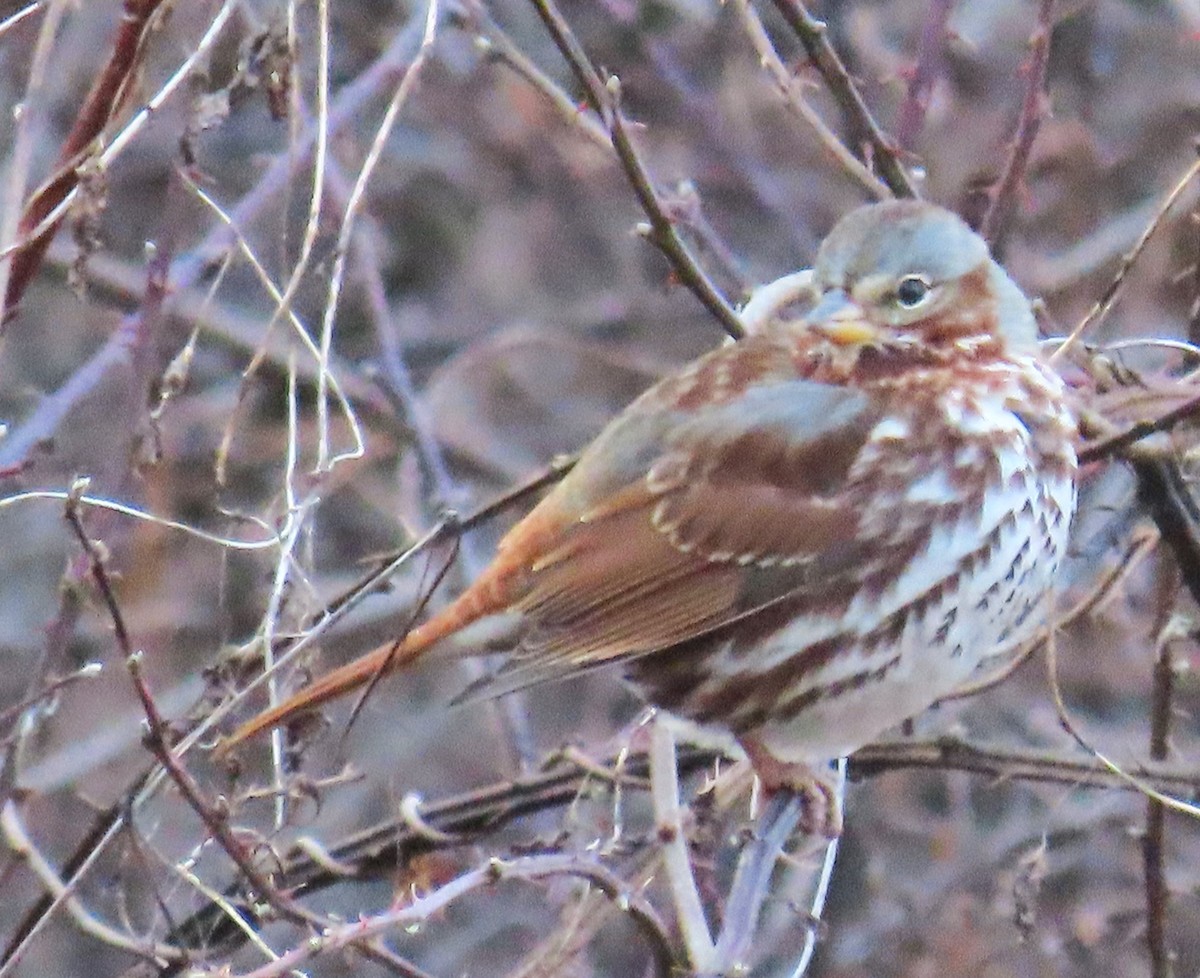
(965, 504)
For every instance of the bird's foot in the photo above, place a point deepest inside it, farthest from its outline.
(822, 808)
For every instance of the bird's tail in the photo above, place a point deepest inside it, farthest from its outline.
(365, 669)
(497, 589)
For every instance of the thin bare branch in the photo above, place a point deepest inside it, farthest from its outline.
(791, 90)
(814, 37)
(1169, 629)
(1105, 303)
(1034, 108)
(604, 97)
(492, 873)
(924, 74)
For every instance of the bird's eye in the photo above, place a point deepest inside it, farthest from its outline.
(912, 291)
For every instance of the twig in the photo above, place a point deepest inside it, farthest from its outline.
(682, 205)
(604, 97)
(1114, 444)
(924, 74)
(11, 21)
(49, 689)
(25, 138)
(491, 873)
(677, 860)
(751, 883)
(726, 147)
(1137, 783)
(33, 919)
(96, 561)
(354, 204)
(1105, 303)
(949, 754)
(494, 43)
(1034, 108)
(108, 94)
(792, 93)
(22, 846)
(216, 822)
(1168, 630)
(46, 211)
(562, 948)
(511, 719)
(813, 36)
(821, 890)
(449, 529)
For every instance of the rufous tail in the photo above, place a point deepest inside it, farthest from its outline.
(381, 661)
(494, 591)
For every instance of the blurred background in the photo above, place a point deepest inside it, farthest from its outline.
(279, 379)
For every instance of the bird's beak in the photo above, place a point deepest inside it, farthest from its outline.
(841, 320)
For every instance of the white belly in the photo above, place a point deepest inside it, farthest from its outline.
(1001, 600)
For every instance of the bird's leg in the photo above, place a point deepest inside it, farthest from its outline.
(822, 809)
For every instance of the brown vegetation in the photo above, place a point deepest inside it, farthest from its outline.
(296, 285)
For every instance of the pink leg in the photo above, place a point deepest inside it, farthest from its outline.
(822, 811)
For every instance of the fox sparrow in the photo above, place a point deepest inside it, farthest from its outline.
(808, 536)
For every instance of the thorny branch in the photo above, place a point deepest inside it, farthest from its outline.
(1034, 108)
(492, 873)
(882, 152)
(1168, 630)
(108, 95)
(790, 89)
(924, 74)
(604, 97)
(459, 820)
(214, 818)
(1104, 304)
(158, 729)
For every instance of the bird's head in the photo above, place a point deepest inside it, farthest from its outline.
(910, 276)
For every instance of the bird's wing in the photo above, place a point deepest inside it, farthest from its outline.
(703, 507)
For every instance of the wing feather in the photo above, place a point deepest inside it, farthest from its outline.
(731, 506)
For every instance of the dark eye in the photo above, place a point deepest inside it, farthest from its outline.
(912, 291)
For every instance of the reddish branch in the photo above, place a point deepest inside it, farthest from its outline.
(930, 60)
(882, 151)
(604, 98)
(1034, 108)
(108, 95)
(460, 820)
(1154, 840)
(156, 738)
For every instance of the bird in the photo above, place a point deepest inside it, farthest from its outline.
(806, 537)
